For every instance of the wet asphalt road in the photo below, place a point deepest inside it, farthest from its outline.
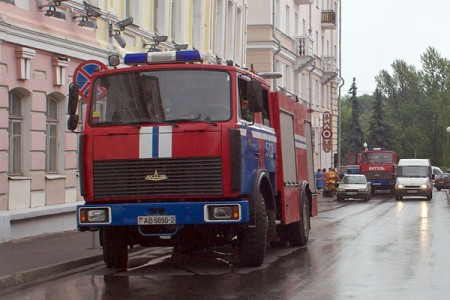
(381, 249)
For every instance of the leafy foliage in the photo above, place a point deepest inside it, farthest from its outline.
(409, 111)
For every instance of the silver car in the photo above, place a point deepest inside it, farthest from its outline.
(354, 186)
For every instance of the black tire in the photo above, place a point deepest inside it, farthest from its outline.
(115, 248)
(253, 239)
(398, 197)
(283, 238)
(438, 189)
(340, 198)
(430, 196)
(299, 231)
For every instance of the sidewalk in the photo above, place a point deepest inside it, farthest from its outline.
(29, 259)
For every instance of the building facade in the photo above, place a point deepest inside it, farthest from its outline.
(41, 44)
(300, 39)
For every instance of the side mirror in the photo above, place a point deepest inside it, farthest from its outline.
(73, 99)
(72, 105)
(72, 123)
(255, 95)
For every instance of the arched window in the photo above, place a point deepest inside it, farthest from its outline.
(15, 134)
(51, 165)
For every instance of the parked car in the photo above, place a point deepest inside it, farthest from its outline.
(435, 171)
(442, 181)
(354, 186)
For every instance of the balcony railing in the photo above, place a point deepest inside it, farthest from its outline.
(328, 19)
(304, 51)
(329, 68)
(304, 46)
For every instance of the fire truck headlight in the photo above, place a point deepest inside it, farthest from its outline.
(218, 213)
(94, 215)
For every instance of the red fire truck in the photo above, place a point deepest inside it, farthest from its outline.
(380, 167)
(174, 152)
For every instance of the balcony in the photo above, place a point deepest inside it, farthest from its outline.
(303, 1)
(329, 68)
(304, 51)
(328, 19)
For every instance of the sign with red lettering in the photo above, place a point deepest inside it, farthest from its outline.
(327, 132)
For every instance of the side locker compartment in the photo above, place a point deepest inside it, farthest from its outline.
(311, 169)
(290, 189)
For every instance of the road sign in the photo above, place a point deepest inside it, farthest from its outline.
(83, 75)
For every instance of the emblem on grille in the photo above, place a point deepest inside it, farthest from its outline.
(156, 177)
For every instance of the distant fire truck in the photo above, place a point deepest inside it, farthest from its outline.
(178, 153)
(378, 164)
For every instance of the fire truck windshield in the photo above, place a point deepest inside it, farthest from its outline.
(377, 158)
(161, 96)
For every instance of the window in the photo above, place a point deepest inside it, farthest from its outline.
(15, 134)
(197, 31)
(288, 20)
(52, 136)
(159, 17)
(132, 9)
(266, 110)
(239, 50)
(176, 21)
(230, 34)
(220, 31)
(246, 113)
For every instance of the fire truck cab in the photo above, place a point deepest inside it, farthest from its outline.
(174, 152)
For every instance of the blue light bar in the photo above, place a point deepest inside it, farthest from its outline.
(163, 57)
(135, 58)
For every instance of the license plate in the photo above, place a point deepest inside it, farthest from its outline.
(376, 183)
(351, 193)
(156, 220)
(412, 192)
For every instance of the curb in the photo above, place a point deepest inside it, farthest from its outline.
(19, 278)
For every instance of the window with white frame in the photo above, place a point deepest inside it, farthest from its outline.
(15, 134)
(277, 14)
(238, 57)
(296, 24)
(220, 31)
(132, 9)
(176, 21)
(230, 31)
(51, 165)
(159, 17)
(197, 28)
(288, 20)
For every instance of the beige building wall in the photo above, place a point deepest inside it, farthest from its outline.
(299, 38)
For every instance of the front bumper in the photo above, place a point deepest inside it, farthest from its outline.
(408, 191)
(351, 194)
(185, 213)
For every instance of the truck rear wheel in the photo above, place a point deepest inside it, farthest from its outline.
(115, 247)
(253, 239)
(299, 231)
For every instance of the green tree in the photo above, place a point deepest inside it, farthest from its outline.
(355, 141)
(379, 131)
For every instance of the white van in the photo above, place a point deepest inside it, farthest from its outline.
(414, 178)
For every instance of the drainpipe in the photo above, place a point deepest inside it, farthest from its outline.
(274, 60)
(340, 86)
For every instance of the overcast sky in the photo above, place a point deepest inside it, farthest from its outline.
(377, 32)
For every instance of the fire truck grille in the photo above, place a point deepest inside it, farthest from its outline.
(158, 177)
(378, 175)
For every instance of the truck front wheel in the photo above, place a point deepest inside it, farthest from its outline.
(115, 247)
(252, 240)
